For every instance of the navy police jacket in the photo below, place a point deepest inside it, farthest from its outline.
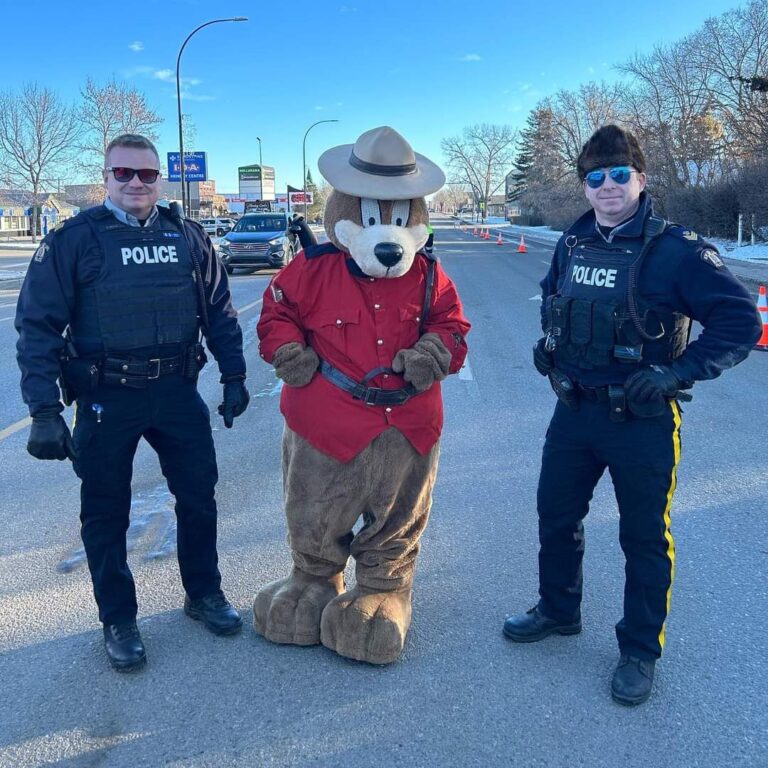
(682, 277)
(70, 260)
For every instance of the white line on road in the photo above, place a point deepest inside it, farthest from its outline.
(17, 427)
(465, 372)
(249, 306)
(6, 318)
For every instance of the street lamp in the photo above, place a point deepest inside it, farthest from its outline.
(304, 161)
(259, 140)
(178, 101)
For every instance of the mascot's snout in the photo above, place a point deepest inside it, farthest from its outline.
(388, 253)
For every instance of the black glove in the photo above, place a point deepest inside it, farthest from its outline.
(301, 229)
(49, 437)
(543, 360)
(652, 383)
(236, 398)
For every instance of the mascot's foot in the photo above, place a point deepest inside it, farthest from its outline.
(289, 610)
(367, 626)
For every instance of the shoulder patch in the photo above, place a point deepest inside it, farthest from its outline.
(689, 234)
(41, 253)
(711, 256)
(277, 294)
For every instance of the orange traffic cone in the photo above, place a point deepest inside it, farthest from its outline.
(487, 233)
(521, 248)
(474, 231)
(499, 241)
(762, 308)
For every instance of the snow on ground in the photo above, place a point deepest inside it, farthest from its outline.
(757, 254)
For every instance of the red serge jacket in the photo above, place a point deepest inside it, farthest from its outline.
(358, 323)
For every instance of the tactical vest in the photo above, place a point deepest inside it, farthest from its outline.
(145, 295)
(598, 320)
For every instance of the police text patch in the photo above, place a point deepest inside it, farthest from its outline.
(689, 234)
(712, 257)
(277, 294)
(41, 253)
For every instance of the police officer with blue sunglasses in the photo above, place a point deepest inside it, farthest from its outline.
(617, 306)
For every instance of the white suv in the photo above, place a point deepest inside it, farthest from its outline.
(217, 227)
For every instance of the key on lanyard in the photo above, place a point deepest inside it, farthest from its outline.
(98, 410)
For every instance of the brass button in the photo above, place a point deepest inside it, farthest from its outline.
(338, 322)
(371, 279)
(122, 381)
(386, 375)
(379, 341)
(418, 318)
(125, 367)
(388, 410)
(377, 306)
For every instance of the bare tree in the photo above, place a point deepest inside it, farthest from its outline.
(107, 111)
(38, 134)
(452, 197)
(480, 158)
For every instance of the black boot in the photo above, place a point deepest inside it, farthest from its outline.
(215, 612)
(124, 647)
(633, 680)
(534, 625)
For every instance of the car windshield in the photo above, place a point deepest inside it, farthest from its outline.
(260, 224)
(207, 221)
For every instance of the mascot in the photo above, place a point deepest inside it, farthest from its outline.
(361, 330)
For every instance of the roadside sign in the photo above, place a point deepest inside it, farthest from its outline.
(195, 166)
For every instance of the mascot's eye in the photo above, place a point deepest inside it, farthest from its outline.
(371, 215)
(401, 210)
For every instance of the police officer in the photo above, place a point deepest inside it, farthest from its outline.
(429, 246)
(618, 301)
(115, 299)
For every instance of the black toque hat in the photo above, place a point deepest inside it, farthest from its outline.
(607, 147)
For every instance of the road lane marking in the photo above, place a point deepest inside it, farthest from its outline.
(6, 318)
(465, 372)
(14, 428)
(249, 306)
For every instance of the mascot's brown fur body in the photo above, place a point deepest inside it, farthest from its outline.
(345, 459)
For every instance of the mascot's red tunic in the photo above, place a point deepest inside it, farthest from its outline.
(372, 319)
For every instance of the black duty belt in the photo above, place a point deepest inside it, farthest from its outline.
(131, 371)
(596, 394)
(360, 389)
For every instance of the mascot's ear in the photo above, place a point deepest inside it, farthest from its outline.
(338, 208)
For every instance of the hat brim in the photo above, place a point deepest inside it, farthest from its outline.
(335, 167)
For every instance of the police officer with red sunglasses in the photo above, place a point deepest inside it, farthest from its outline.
(618, 301)
(113, 302)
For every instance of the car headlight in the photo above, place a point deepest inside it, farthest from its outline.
(276, 241)
(223, 245)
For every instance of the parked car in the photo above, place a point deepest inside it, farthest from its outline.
(217, 227)
(258, 240)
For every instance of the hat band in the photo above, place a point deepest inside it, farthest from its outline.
(380, 170)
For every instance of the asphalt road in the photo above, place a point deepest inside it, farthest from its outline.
(461, 695)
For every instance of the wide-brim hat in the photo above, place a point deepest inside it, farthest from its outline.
(381, 165)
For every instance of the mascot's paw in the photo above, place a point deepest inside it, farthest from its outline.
(426, 362)
(289, 610)
(366, 625)
(295, 364)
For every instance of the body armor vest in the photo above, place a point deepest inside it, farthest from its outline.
(145, 295)
(598, 321)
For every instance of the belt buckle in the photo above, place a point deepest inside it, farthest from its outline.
(370, 396)
(156, 373)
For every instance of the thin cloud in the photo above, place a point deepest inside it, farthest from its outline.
(136, 46)
(470, 57)
(168, 76)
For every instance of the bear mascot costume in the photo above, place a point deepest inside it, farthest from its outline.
(361, 330)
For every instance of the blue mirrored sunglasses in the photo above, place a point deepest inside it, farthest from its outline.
(620, 174)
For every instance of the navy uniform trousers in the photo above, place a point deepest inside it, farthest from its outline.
(172, 417)
(642, 457)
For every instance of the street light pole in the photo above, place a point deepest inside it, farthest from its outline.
(260, 163)
(304, 162)
(178, 101)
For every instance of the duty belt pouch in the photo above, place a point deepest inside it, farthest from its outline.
(194, 361)
(617, 402)
(564, 389)
(79, 377)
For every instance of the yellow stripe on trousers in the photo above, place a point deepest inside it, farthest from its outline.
(667, 510)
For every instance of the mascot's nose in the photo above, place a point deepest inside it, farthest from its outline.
(388, 253)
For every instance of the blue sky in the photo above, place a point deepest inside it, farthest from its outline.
(428, 69)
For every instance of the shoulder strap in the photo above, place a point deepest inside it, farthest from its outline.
(428, 291)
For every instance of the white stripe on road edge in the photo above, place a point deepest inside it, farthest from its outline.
(19, 425)
(535, 298)
(6, 318)
(465, 371)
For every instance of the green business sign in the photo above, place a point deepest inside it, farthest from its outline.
(249, 173)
